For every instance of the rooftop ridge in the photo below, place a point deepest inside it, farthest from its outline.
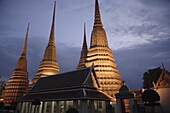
(62, 89)
(61, 74)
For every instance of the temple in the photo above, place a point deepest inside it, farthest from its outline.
(83, 52)
(163, 80)
(162, 86)
(101, 56)
(94, 87)
(77, 89)
(17, 85)
(49, 65)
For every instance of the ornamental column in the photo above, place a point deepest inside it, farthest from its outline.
(57, 107)
(91, 106)
(40, 107)
(84, 106)
(52, 107)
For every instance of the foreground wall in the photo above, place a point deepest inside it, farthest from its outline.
(164, 98)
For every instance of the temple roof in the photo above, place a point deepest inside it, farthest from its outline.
(71, 79)
(78, 84)
(77, 94)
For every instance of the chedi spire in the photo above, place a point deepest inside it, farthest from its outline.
(18, 84)
(97, 19)
(96, 38)
(49, 65)
(22, 63)
(101, 56)
(51, 39)
(24, 50)
(83, 52)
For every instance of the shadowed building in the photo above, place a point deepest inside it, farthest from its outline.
(163, 79)
(101, 56)
(49, 65)
(124, 100)
(162, 86)
(83, 52)
(17, 85)
(77, 89)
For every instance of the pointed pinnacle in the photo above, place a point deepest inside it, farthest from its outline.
(163, 66)
(97, 20)
(51, 39)
(84, 42)
(25, 42)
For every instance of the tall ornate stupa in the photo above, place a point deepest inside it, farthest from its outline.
(49, 65)
(101, 56)
(83, 52)
(18, 84)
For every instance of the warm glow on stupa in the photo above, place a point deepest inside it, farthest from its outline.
(17, 85)
(49, 65)
(84, 51)
(101, 56)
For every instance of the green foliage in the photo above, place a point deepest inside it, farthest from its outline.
(150, 96)
(151, 76)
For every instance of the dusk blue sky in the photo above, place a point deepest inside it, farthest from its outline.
(138, 33)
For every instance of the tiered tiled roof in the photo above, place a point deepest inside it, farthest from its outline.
(74, 85)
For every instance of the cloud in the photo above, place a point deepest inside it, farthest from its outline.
(74, 5)
(136, 23)
(10, 49)
(138, 33)
(132, 63)
(68, 57)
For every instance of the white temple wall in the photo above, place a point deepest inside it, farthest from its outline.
(164, 98)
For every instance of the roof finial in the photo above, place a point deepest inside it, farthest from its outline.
(92, 65)
(163, 66)
(51, 39)
(97, 20)
(25, 42)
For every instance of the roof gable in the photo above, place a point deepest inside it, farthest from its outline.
(92, 79)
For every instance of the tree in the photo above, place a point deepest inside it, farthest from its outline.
(150, 76)
(150, 97)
